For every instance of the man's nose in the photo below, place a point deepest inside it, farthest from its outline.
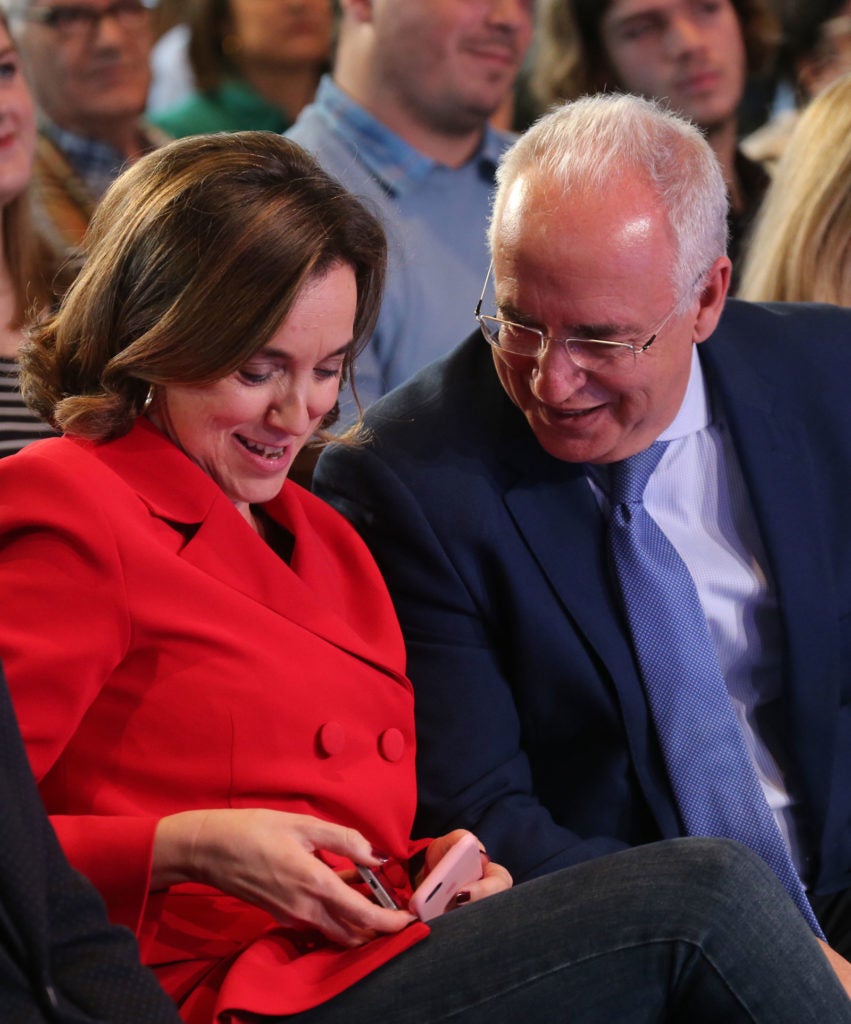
(684, 35)
(511, 13)
(556, 376)
(108, 31)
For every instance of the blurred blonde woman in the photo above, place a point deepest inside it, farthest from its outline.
(800, 250)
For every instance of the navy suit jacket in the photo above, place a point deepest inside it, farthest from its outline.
(60, 959)
(533, 728)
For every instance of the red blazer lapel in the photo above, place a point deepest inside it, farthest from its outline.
(221, 543)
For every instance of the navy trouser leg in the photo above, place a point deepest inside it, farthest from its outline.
(691, 930)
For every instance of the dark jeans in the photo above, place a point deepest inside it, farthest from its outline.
(691, 930)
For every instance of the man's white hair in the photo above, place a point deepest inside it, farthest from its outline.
(594, 143)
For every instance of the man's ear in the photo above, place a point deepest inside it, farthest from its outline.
(711, 299)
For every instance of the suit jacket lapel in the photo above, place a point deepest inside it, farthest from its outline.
(555, 511)
(774, 450)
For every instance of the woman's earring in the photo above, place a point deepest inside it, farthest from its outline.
(148, 399)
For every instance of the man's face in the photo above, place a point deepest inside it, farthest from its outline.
(273, 35)
(451, 62)
(585, 266)
(689, 52)
(88, 81)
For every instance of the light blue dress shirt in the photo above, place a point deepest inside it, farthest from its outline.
(436, 220)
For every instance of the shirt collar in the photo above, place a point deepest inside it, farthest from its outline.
(398, 166)
(79, 149)
(97, 162)
(695, 412)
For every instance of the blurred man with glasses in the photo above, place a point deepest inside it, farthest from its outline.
(487, 488)
(87, 65)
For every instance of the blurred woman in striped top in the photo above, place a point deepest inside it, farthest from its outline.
(27, 266)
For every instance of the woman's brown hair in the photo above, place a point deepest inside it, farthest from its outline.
(196, 255)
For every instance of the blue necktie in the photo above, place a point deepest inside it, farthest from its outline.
(712, 775)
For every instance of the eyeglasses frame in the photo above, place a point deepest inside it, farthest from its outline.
(636, 350)
(46, 15)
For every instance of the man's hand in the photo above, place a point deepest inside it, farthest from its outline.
(840, 965)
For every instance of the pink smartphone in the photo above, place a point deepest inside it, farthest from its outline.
(460, 865)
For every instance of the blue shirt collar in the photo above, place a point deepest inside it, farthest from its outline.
(398, 166)
(96, 162)
(695, 412)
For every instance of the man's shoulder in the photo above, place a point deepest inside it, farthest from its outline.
(324, 134)
(495, 142)
(438, 387)
(427, 432)
(796, 355)
(316, 125)
(455, 403)
(760, 328)
(784, 316)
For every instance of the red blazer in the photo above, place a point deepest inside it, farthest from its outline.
(162, 657)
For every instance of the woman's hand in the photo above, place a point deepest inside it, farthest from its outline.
(267, 858)
(495, 878)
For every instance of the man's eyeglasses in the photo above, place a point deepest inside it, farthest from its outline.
(593, 354)
(74, 21)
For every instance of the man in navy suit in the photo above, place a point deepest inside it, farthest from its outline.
(481, 489)
(60, 959)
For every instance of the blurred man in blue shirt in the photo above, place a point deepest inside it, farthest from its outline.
(403, 122)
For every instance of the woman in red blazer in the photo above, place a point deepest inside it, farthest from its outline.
(208, 671)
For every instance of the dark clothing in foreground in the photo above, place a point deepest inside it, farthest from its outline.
(60, 959)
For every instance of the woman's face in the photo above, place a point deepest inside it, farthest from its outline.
(17, 124)
(277, 33)
(245, 429)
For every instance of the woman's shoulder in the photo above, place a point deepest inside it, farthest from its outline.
(50, 456)
(69, 471)
(233, 106)
(196, 114)
(63, 472)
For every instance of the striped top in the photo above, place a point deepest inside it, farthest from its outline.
(18, 425)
